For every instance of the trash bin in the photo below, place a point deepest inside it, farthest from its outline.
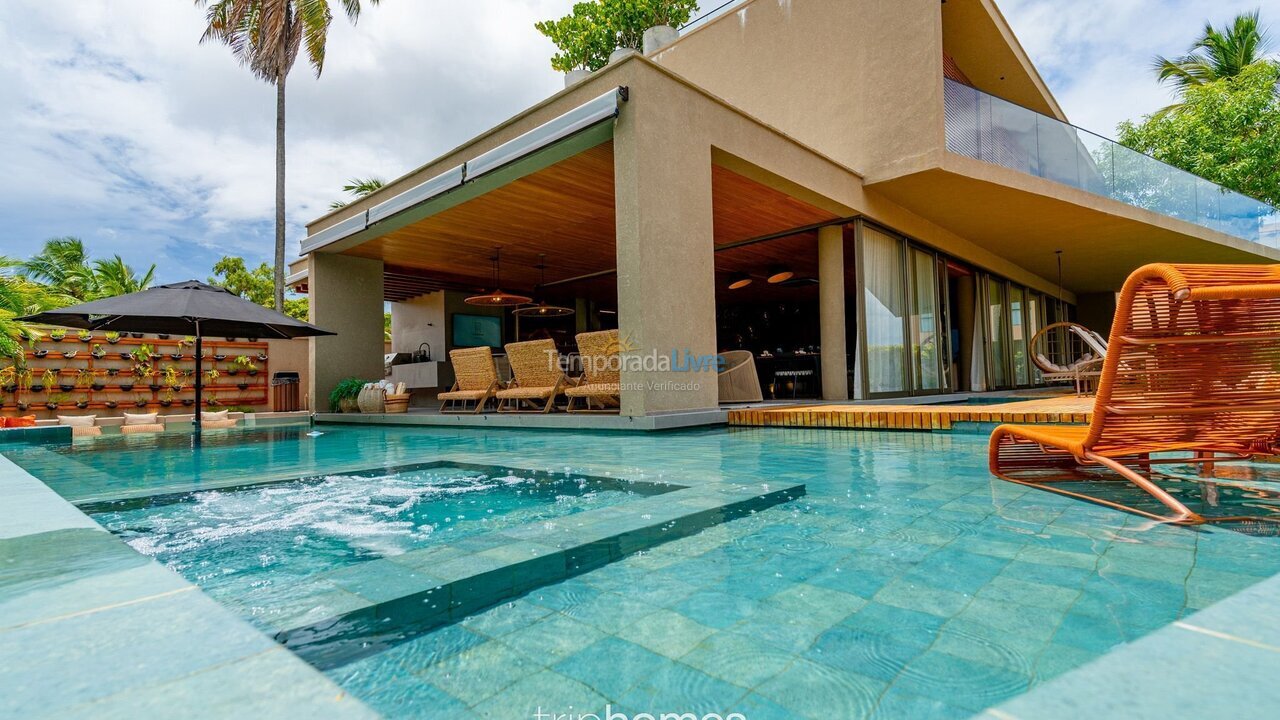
(284, 392)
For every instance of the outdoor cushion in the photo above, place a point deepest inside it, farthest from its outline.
(217, 424)
(463, 395)
(141, 429)
(20, 422)
(85, 431)
(77, 420)
(140, 419)
(209, 416)
(529, 393)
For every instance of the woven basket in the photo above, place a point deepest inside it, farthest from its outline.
(348, 405)
(371, 400)
(397, 403)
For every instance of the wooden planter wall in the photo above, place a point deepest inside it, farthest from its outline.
(224, 388)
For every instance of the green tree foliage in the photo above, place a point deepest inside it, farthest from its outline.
(65, 268)
(1217, 54)
(1227, 131)
(594, 29)
(358, 188)
(256, 285)
(19, 295)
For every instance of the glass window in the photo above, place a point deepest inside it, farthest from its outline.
(924, 320)
(884, 307)
(998, 367)
(1018, 337)
(1035, 321)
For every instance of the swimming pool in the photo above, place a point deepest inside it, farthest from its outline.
(905, 582)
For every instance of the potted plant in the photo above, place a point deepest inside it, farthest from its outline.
(166, 398)
(262, 357)
(113, 337)
(23, 377)
(211, 375)
(111, 404)
(583, 38)
(211, 399)
(141, 400)
(84, 336)
(136, 336)
(66, 384)
(69, 354)
(113, 371)
(126, 386)
(343, 397)
(85, 378)
(154, 381)
(163, 336)
(97, 352)
(172, 377)
(188, 402)
(242, 386)
(53, 401)
(187, 341)
(219, 358)
(57, 335)
(83, 402)
(9, 379)
(40, 353)
(126, 355)
(175, 356)
(47, 380)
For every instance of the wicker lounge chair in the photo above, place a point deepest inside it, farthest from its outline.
(1193, 367)
(536, 377)
(1093, 350)
(601, 382)
(475, 380)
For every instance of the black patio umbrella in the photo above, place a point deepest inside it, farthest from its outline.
(184, 308)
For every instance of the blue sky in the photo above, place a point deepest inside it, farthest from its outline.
(119, 128)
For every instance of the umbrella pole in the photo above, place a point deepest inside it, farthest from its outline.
(199, 379)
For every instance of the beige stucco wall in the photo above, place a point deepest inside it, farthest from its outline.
(346, 298)
(860, 80)
(292, 356)
(419, 320)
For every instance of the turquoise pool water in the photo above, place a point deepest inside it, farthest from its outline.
(251, 547)
(906, 583)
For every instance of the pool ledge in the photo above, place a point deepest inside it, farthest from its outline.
(346, 614)
(91, 628)
(1199, 666)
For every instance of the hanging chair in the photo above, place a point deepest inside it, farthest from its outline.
(1067, 351)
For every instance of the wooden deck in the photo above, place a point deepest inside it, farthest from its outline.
(1059, 410)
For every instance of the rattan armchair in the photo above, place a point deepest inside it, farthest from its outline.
(475, 380)
(536, 377)
(601, 382)
(1192, 369)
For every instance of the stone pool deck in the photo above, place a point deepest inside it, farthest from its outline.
(91, 628)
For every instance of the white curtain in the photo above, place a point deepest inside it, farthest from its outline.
(978, 348)
(885, 304)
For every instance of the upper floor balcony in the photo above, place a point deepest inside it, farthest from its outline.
(987, 128)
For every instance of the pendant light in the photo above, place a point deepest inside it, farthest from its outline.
(779, 273)
(497, 298)
(543, 308)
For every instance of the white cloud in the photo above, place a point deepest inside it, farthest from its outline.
(120, 128)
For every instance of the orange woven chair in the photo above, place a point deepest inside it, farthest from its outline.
(1193, 366)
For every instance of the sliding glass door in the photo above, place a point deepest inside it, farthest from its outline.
(998, 334)
(924, 328)
(884, 306)
(1018, 340)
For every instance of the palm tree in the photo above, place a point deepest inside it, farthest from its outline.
(359, 187)
(19, 295)
(62, 264)
(266, 36)
(1216, 54)
(113, 277)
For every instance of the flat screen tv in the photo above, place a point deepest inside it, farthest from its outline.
(477, 331)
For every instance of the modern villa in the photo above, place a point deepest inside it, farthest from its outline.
(877, 200)
(849, 256)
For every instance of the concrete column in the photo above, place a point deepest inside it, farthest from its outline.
(346, 298)
(831, 303)
(666, 264)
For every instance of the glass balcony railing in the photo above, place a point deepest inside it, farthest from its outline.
(997, 131)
